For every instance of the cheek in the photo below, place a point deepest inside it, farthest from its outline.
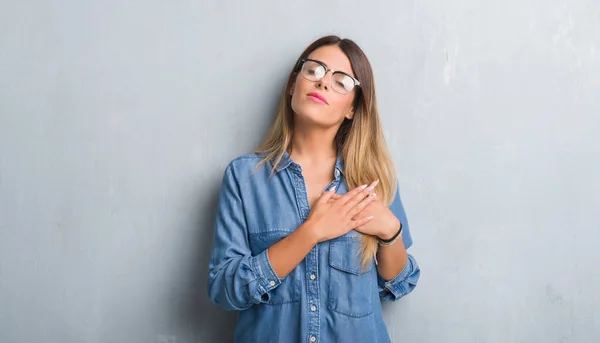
(294, 103)
(300, 88)
(297, 91)
(301, 85)
(342, 104)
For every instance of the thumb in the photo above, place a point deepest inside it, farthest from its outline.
(327, 195)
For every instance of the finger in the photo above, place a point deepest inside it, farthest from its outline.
(360, 222)
(334, 197)
(361, 205)
(351, 194)
(359, 196)
(368, 207)
(327, 195)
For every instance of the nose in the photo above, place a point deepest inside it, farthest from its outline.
(325, 81)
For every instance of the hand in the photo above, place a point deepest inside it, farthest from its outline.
(331, 218)
(384, 224)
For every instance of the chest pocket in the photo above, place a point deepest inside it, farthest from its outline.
(289, 289)
(350, 286)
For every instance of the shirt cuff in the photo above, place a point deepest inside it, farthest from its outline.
(399, 286)
(266, 277)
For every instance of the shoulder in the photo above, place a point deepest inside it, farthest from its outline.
(244, 165)
(249, 160)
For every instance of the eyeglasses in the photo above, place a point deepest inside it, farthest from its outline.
(314, 70)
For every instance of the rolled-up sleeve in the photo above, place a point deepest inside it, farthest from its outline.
(402, 284)
(407, 279)
(236, 280)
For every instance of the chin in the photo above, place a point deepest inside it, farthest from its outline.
(312, 118)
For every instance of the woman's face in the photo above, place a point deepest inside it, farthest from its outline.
(315, 101)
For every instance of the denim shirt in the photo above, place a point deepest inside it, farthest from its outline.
(327, 297)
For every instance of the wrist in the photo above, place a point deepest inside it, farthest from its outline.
(310, 233)
(390, 233)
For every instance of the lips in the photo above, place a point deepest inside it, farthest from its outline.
(316, 97)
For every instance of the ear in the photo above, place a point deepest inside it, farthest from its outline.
(350, 114)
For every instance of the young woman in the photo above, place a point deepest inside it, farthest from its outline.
(311, 231)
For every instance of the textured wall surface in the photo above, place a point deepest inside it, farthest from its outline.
(117, 119)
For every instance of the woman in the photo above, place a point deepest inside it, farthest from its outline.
(311, 231)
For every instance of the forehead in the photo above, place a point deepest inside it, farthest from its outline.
(333, 57)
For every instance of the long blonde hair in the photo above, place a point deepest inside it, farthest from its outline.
(361, 141)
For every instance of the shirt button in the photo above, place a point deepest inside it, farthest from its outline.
(313, 339)
(272, 283)
(387, 284)
(313, 308)
(312, 276)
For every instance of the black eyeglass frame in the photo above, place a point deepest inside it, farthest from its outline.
(327, 69)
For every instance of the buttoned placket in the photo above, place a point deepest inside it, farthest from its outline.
(312, 259)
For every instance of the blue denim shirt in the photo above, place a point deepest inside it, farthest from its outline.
(327, 297)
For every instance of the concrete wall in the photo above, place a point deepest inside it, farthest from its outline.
(118, 117)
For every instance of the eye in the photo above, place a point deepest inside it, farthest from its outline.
(347, 83)
(319, 72)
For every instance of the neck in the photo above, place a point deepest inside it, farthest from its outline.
(314, 144)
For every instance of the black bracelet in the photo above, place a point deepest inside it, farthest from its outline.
(391, 240)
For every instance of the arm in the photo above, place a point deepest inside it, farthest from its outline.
(286, 254)
(398, 271)
(326, 220)
(237, 280)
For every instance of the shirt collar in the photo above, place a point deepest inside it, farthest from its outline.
(286, 161)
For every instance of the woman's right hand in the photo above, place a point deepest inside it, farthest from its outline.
(331, 218)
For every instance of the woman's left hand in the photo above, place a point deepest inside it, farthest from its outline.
(384, 223)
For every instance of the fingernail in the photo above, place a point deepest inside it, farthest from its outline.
(369, 218)
(372, 187)
(363, 187)
(332, 189)
(372, 195)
